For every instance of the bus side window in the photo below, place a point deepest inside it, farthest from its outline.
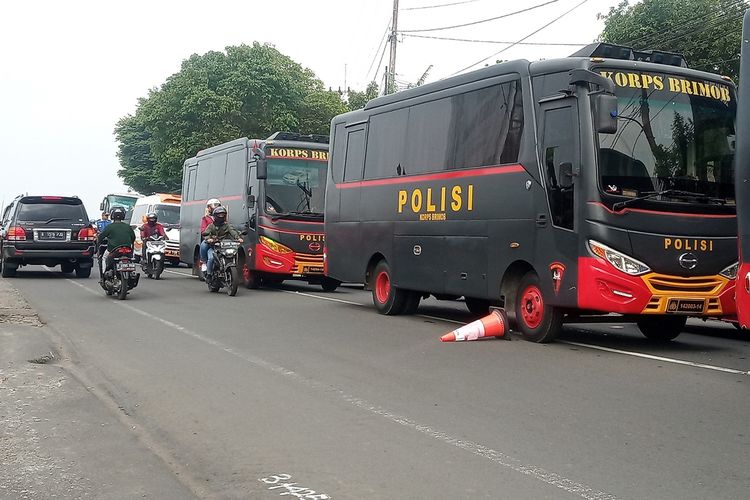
(338, 153)
(355, 155)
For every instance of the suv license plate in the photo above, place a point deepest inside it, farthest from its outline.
(53, 235)
(686, 306)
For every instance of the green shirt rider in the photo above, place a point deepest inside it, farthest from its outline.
(117, 234)
(218, 230)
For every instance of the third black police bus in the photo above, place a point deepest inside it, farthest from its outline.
(561, 189)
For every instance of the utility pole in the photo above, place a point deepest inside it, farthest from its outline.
(390, 82)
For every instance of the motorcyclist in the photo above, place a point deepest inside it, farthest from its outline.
(117, 234)
(102, 223)
(150, 228)
(218, 230)
(205, 221)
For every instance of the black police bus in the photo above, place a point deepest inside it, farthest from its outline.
(561, 189)
(743, 178)
(273, 190)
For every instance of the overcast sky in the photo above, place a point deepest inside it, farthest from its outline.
(70, 69)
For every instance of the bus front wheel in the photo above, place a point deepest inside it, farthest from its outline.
(537, 321)
(661, 328)
(387, 298)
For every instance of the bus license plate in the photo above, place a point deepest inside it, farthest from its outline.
(312, 270)
(686, 306)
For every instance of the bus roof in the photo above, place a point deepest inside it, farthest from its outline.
(314, 142)
(160, 198)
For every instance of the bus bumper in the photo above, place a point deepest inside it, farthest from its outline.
(601, 287)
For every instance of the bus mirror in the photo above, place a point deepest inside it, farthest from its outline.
(251, 201)
(262, 167)
(566, 175)
(101, 206)
(605, 113)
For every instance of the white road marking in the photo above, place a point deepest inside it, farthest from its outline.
(658, 358)
(294, 292)
(495, 456)
(189, 275)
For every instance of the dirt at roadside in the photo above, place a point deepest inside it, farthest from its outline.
(13, 307)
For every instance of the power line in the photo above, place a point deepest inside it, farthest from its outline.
(375, 55)
(482, 20)
(440, 5)
(524, 38)
(495, 41)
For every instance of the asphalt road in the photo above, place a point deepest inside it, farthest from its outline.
(293, 391)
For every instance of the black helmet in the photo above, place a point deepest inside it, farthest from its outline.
(151, 218)
(220, 215)
(117, 213)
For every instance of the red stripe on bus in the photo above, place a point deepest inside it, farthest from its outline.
(287, 231)
(225, 198)
(270, 220)
(452, 174)
(657, 212)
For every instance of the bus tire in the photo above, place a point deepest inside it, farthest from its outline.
(478, 307)
(661, 328)
(388, 299)
(412, 302)
(250, 278)
(329, 284)
(537, 321)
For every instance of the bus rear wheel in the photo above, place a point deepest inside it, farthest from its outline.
(661, 328)
(537, 321)
(387, 298)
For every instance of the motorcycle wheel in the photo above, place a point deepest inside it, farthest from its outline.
(123, 292)
(158, 269)
(212, 286)
(233, 281)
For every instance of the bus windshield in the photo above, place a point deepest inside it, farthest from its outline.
(126, 202)
(295, 187)
(169, 215)
(674, 142)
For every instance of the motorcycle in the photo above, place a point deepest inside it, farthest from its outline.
(122, 278)
(153, 264)
(225, 273)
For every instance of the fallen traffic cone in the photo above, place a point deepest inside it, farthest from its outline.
(494, 324)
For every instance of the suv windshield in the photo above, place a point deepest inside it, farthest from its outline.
(673, 134)
(49, 212)
(168, 214)
(295, 186)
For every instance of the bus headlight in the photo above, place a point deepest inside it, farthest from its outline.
(730, 272)
(626, 264)
(275, 245)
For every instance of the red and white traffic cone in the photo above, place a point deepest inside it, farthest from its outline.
(494, 324)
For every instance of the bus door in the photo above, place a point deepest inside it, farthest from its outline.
(557, 241)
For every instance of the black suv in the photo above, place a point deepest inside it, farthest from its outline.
(46, 230)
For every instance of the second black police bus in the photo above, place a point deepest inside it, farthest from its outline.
(273, 190)
(598, 183)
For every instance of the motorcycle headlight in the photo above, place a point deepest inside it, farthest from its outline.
(730, 272)
(230, 251)
(626, 264)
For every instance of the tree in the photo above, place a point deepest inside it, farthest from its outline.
(706, 32)
(246, 90)
(358, 100)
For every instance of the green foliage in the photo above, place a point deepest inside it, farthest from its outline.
(248, 91)
(357, 100)
(706, 32)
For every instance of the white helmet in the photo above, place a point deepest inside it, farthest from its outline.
(213, 203)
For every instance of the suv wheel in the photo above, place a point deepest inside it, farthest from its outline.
(7, 270)
(83, 272)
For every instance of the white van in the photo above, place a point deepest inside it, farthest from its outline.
(167, 209)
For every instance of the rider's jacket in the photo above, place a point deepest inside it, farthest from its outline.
(220, 232)
(117, 234)
(148, 231)
(205, 221)
(102, 224)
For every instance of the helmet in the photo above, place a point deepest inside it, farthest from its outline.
(151, 218)
(118, 213)
(220, 214)
(212, 204)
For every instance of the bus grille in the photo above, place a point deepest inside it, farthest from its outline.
(698, 285)
(307, 263)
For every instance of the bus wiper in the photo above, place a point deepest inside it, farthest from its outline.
(308, 213)
(672, 193)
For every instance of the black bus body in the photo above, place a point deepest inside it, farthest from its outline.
(273, 190)
(742, 173)
(598, 183)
